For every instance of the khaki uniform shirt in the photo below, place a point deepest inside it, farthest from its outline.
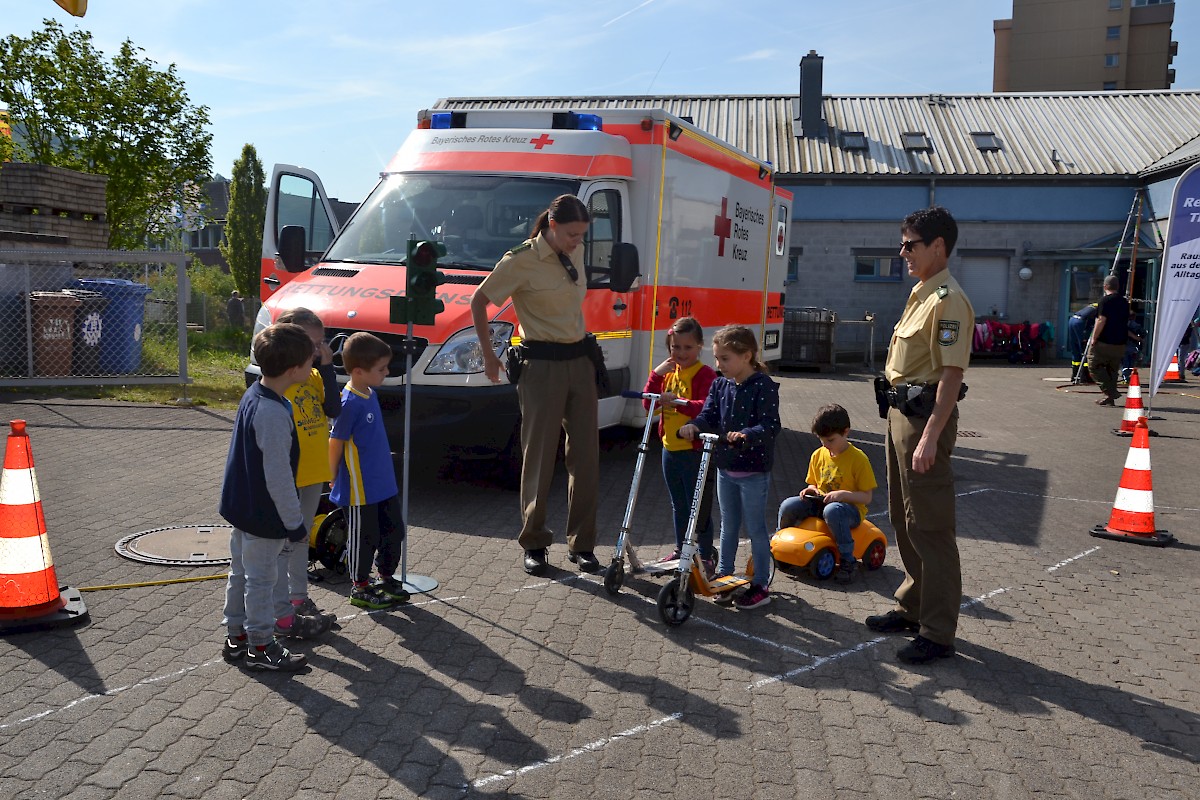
(935, 331)
(549, 306)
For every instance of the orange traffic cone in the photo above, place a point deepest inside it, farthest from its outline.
(1173, 374)
(1132, 518)
(30, 597)
(1134, 410)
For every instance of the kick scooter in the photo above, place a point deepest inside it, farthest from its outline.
(614, 576)
(678, 596)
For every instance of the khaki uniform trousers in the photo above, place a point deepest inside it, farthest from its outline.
(921, 507)
(556, 396)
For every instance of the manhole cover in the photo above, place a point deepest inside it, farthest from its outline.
(179, 545)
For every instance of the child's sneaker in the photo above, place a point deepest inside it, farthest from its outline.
(671, 556)
(754, 597)
(393, 589)
(303, 627)
(723, 598)
(846, 570)
(308, 608)
(234, 648)
(275, 657)
(371, 597)
(710, 567)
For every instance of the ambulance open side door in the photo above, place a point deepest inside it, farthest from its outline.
(296, 197)
(608, 314)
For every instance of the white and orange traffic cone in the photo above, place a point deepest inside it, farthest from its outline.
(1134, 410)
(1132, 518)
(1173, 374)
(30, 597)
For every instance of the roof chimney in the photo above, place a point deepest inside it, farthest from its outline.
(811, 122)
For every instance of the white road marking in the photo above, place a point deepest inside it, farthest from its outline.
(578, 751)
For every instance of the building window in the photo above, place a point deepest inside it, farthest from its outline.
(1114, 32)
(986, 140)
(793, 263)
(1110, 86)
(1112, 60)
(1148, 2)
(1115, 5)
(854, 140)
(916, 140)
(878, 268)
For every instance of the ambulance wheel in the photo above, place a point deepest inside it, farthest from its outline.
(614, 576)
(823, 564)
(876, 553)
(331, 541)
(674, 606)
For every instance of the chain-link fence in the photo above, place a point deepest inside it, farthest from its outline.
(80, 317)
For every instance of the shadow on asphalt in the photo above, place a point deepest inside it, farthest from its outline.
(61, 651)
(397, 715)
(1025, 689)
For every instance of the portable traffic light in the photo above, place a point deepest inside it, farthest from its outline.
(420, 304)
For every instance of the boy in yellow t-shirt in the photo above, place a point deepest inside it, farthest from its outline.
(840, 485)
(314, 402)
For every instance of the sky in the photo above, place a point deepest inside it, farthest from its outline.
(336, 86)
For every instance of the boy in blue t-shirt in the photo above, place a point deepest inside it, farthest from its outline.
(364, 480)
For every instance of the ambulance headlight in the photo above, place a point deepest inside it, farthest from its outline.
(261, 320)
(461, 353)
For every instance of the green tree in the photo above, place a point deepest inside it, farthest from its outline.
(242, 247)
(124, 118)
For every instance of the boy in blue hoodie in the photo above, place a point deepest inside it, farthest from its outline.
(259, 499)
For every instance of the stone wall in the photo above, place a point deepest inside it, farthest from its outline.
(52, 201)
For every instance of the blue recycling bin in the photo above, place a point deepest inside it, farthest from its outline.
(120, 351)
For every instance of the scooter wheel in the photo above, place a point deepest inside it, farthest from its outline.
(675, 606)
(614, 576)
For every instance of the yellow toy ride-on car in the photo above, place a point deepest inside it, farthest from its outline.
(810, 544)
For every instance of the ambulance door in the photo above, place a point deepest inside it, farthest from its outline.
(295, 197)
(608, 314)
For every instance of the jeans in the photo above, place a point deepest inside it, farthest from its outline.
(251, 602)
(840, 517)
(744, 501)
(680, 469)
(294, 559)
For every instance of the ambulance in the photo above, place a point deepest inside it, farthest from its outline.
(682, 223)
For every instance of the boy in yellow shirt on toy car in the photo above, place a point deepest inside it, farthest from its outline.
(840, 485)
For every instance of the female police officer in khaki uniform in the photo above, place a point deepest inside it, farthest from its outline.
(557, 388)
(931, 346)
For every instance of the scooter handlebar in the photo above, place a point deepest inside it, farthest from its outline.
(632, 395)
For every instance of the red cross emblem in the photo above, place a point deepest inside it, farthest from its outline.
(722, 226)
(541, 141)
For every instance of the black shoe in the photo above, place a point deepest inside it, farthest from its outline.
(921, 651)
(586, 560)
(535, 561)
(891, 622)
(846, 571)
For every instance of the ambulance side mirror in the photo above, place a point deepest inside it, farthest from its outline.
(291, 247)
(623, 267)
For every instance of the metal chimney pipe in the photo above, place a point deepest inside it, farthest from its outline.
(811, 106)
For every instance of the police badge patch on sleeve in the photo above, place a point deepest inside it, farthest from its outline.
(947, 332)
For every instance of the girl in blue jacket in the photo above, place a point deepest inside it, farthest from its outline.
(743, 408)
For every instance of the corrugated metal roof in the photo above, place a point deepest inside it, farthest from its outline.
(1098, 134)
(1187, 154)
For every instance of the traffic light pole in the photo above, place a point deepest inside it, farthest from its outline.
(414, 584)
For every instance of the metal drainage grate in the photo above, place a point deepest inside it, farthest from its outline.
(970, 434)
(179, 545)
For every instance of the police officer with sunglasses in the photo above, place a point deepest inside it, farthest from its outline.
(929, 350)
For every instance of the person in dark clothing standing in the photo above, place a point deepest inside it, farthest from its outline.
(1108, 341)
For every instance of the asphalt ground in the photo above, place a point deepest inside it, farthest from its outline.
(1076, 673)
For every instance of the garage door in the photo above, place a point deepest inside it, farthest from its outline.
(985, 280)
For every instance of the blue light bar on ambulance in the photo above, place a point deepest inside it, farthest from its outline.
(559, 120)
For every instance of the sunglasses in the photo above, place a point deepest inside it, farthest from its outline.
(907, 245)
(569, 267)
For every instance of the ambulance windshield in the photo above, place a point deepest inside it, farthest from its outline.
(477, 217)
